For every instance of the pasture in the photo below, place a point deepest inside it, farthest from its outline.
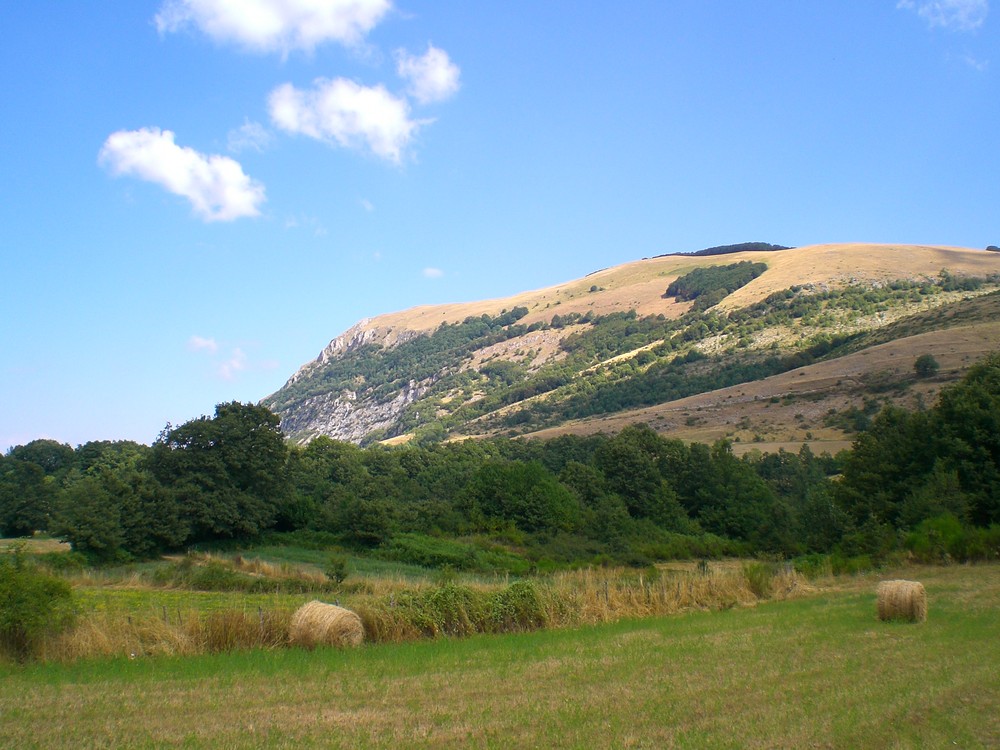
(815, 671)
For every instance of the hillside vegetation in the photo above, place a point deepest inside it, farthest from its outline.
(649, 334)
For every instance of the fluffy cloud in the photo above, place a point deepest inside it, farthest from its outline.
(433, 273)
(275, 25)
(347, 114)
(215, 185)
(962, 15)
(432, 77)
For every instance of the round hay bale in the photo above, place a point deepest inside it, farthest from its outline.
(902, 600)
(318, 624)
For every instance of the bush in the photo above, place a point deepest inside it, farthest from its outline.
(337, 568)
(517, 607)
(944, 539)
(454, 610)
(760, 578)
(926, 365)
(32, 605)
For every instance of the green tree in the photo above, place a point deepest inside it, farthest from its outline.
(53, 457)
(926, 365)
(965, 424)
(886, 463)
(227, 473)
(113, 508)
(525, 494)
(632, 463)
(90, 519)
(26, 496)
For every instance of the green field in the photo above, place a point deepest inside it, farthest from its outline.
(819, 671)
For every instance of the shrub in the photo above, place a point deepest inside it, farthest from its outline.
(337, 568)
(760, 578)
(32, 605)
(517, 607)
(926, 365)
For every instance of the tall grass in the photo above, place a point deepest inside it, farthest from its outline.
(141, 620)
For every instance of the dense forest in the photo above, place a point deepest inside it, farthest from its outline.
(926, 481)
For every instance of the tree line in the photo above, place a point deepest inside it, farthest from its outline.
(927, 479)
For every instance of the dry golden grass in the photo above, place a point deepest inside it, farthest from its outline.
(640, 284)
(594, 596)
(109, 633)
(130, 622)
(809, 391)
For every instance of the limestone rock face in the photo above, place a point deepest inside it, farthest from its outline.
(343, 416)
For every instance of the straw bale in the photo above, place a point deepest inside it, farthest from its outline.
(319, 624)
(902, 600)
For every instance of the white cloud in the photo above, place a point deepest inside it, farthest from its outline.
(306, 222)
(200, 343)
(215, 185)
(250, 136)
(234, 365)
(275, 25)
(227, 362)
(432, 77)
(976, 64)
(433, 273)
(367, 205)
(347, 114)
(961, 15)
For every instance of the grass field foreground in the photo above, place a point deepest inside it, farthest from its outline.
(819, 671)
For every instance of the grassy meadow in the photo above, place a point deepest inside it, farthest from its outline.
(817, 670)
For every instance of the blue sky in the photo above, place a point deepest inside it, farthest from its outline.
(197, 195)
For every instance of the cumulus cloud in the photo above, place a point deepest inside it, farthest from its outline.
(347, 114)
(275, 25)
(250, 136)
(216, 186)
(433, 273)
(961, 15)
(432, 77)
(200, 344)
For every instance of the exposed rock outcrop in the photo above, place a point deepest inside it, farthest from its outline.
(343, 416)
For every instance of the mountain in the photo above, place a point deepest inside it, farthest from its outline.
(768, 347)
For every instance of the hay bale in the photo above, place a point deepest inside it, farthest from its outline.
(318, 624)
(902, 600)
